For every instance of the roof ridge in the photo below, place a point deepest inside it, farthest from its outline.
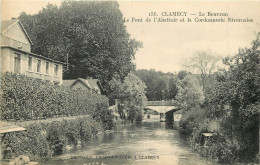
(11, 23)
(84, 81)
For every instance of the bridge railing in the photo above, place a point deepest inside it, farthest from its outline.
(161, 103)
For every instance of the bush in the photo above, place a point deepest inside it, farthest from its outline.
(43, 140)
(56, 136)
(31, 142)
(24, 98)
(222, 149)
(104, 115)
(191, 120)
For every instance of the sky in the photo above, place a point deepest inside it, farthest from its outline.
(167, 45)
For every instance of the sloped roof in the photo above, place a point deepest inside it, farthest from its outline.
(72, 82)
(85, 82)
(7, 24)
(92, 83)
(68, 82)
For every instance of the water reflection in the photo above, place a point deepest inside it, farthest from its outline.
(142, 143)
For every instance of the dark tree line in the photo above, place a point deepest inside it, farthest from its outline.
(160, 86)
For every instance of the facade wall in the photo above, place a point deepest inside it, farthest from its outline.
(5, 41)
(8, 65)
(5, 60)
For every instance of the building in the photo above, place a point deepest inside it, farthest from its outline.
(16, 56)
(84, 84)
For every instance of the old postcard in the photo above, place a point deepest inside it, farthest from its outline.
(130, 82)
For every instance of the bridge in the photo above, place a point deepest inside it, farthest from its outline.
(166, 108)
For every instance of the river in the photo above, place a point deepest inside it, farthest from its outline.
(148, 142)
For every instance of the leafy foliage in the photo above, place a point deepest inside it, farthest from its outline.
(234, 102)
(160, 86)
(190, 93)
(104, 115)
(31, 142)
(24, 98)
(182, 74)
(238, 97)
(190, 98)
(131, 97)
(91, 34)
(45, 139)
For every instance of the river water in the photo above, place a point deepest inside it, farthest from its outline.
(148, 142)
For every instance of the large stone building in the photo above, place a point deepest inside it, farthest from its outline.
(16, 56)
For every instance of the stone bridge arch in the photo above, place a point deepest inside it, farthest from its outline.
(165, 108)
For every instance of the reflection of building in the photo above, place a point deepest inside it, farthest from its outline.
(84, 84)
(17, 58)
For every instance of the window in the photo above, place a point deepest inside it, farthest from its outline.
(17, 63)
(39, 66)
(47, 67)
(30, 63)
(56, 69)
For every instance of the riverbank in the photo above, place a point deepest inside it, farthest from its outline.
(141, 143)
(44, 139)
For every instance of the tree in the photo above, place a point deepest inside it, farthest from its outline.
(160, 86)
(92, 35)
(172, 88)
(130, 95)
(236, 100)
(205, 62)
(182, 74)
(190, 93)
(190, 97)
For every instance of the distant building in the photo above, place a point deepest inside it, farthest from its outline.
(84, 84)
(16, 56)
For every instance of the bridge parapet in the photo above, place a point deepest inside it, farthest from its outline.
(162, 103)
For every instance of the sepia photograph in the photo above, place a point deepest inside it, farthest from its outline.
(120, 82)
